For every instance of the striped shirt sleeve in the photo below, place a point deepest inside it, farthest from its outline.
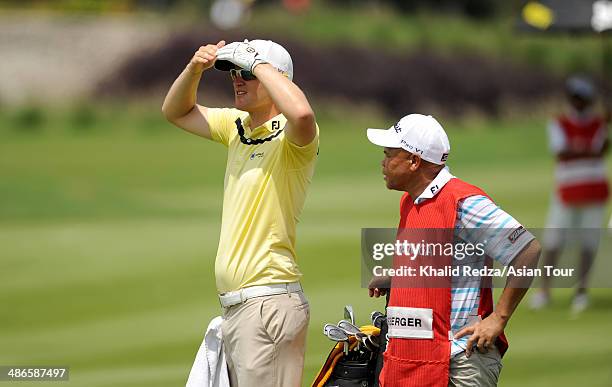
(479, 220)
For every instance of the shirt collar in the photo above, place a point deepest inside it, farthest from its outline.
(435, 186)
(269, 126)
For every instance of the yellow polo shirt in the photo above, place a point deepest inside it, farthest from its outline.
(265, 189)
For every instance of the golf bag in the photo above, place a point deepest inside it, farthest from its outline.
(381, 349)
(357, 369)
(381, 323)
(350, 373)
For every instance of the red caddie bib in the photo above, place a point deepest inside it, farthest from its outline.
(581, 179)
(420, 354)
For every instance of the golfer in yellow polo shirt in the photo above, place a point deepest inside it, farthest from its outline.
(272, 141)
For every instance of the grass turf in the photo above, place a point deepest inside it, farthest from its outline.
(107, 242)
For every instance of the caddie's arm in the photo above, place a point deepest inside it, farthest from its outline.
(484, 333)
(291, 101)
(379, 286)
(180, 107)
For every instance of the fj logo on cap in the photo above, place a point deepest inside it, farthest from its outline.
(397, 128)
(444, 157)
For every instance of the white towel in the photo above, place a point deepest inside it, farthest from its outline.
(209, 368)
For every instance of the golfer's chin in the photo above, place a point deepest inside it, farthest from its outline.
(241, 103)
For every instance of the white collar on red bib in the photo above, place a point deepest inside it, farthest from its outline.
(435, 186)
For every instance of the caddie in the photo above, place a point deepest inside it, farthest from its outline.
(272, 143)
(579, 140)
(446, 335)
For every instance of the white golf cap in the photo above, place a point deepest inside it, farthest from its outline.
(415, 133)
(271, 52)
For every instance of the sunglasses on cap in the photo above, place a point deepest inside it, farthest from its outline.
(244, 74)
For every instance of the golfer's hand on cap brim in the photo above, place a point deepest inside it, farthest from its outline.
(242, 54)
(205, 57)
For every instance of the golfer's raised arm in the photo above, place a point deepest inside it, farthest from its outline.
(291, 101)
(180, 105)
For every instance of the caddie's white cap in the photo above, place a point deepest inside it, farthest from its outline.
(271, 52)
(581, 87)
(415, 133)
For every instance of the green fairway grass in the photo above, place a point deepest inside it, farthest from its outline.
(108, 237)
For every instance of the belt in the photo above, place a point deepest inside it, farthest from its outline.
(239, 296)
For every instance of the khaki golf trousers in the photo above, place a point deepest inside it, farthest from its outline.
(264, 340)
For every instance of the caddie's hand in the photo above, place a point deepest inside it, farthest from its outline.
(379, 286)
(204, 58)
(484, 333)
(242, 54)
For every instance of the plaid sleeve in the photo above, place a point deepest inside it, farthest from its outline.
(479, 220)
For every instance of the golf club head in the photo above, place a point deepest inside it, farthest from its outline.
(370, 343)
(335, 334)
(360, 335)
(349, 314)
(348, 327)
(327, 327)
(377, 317)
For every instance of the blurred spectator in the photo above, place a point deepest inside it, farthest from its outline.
(579, 140)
